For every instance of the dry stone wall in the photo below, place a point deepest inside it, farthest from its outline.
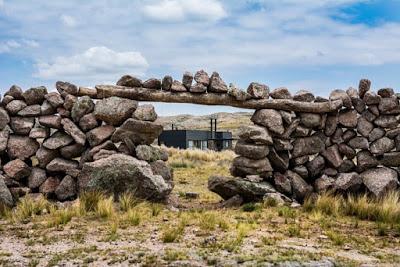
(60, 143)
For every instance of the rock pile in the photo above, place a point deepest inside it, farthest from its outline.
(355, 149)
(58, 144)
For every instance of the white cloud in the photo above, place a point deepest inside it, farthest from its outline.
(68, 21)
(96, 63)
(179, 10)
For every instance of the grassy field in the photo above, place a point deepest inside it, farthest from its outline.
(96, 231)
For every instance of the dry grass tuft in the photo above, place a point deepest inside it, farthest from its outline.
(29, 207)
(127, 201)
(105, 208)
(200, 155)
(88, 200)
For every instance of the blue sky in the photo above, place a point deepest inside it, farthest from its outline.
(301, 44)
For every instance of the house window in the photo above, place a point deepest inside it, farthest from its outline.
(193, 144)
(204, 145)
(190, 144)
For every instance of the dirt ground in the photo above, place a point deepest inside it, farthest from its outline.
(196, 233)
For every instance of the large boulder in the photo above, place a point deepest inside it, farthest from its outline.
(382, 145)
(129, 81)
(57, 140)
(217, 85)
(4, 134)
(380, 180)
(35, 95)
(150, 153)
(258, 91)
(66, 88)
(36, 178)
(242, 166)
(300, 188)
(227, 187)
(67, 189)
(16, 169)
(145, 113)
(99, 135)
(348, 182)
(255, 134)
(84, 105)
(114, 110)
(269, 118)
(72, 130)
(138, 132)
(22, 125)
(119, 173)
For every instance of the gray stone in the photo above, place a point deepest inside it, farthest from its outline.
(35, 95)
(391, 159)
(369, 115)
(16, 169)
(393, 133)
(72, 130)
(145, 113)
(84, 105)
(346, 150)
(371, 98)
(129, 81)
(36, 178)
(251, 150)
(121, 173)
(72, 151)
(375, 134)
(364, 127)
(337, 136)
(339, 94)
(242, 166)
(269, 118)
(311, 120)
(166, 83)
(352, 93)
(228, 187)
(363, 87)
(331, 124)
(22, 125)
(15, 106)
(348, 118)
(21, 147)
(307, 146)
(30, 111)
(256, 134)
(258, 91)
(152, 83)
(6, 99)
(61, 165)
(382, 145)
(359, 142)
(358, 105)
(47, 109)
(331, 171)
(365, 161)
(282, 183)
(380, 180)
(301, 131)
(57, 140)
(202, 77)
(387, 121)
(108, 145)
(348, 182)
(39, 133)
(114, 110)
(99, 135)
(49, 186)
(217, 85)
(237, 93)
(69, 102)
(348, 135)
(88, 122)
(66, 88)
(51, 121)
(282, 144)
(150, 153)
(103, 153)
(324, 184)
(4, 118)
(198, 88)
(233, 202)
(386, 92)
(302, 171)
(332, 155)
(187, 80)
(45, 155)
(67, 189)
(346, 166)
(389, 105)
(279, 160)
(300, 188)
(161, 168)
(54, 99)
(316, 166)
(177, 87)
(14, 91)
(304, 96)
(138, 132)
(281, 93)
(6, 199)
(4, 134)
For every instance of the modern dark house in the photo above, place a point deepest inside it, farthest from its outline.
(200, 139)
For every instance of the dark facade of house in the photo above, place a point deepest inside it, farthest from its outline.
(200, 139)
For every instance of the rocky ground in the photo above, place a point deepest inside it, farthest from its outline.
(195, 232)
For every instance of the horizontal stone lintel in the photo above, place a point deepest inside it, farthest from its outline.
(145, 94)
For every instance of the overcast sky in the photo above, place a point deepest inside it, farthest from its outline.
(317, 45)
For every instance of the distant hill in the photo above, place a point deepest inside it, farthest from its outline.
(225, 121)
